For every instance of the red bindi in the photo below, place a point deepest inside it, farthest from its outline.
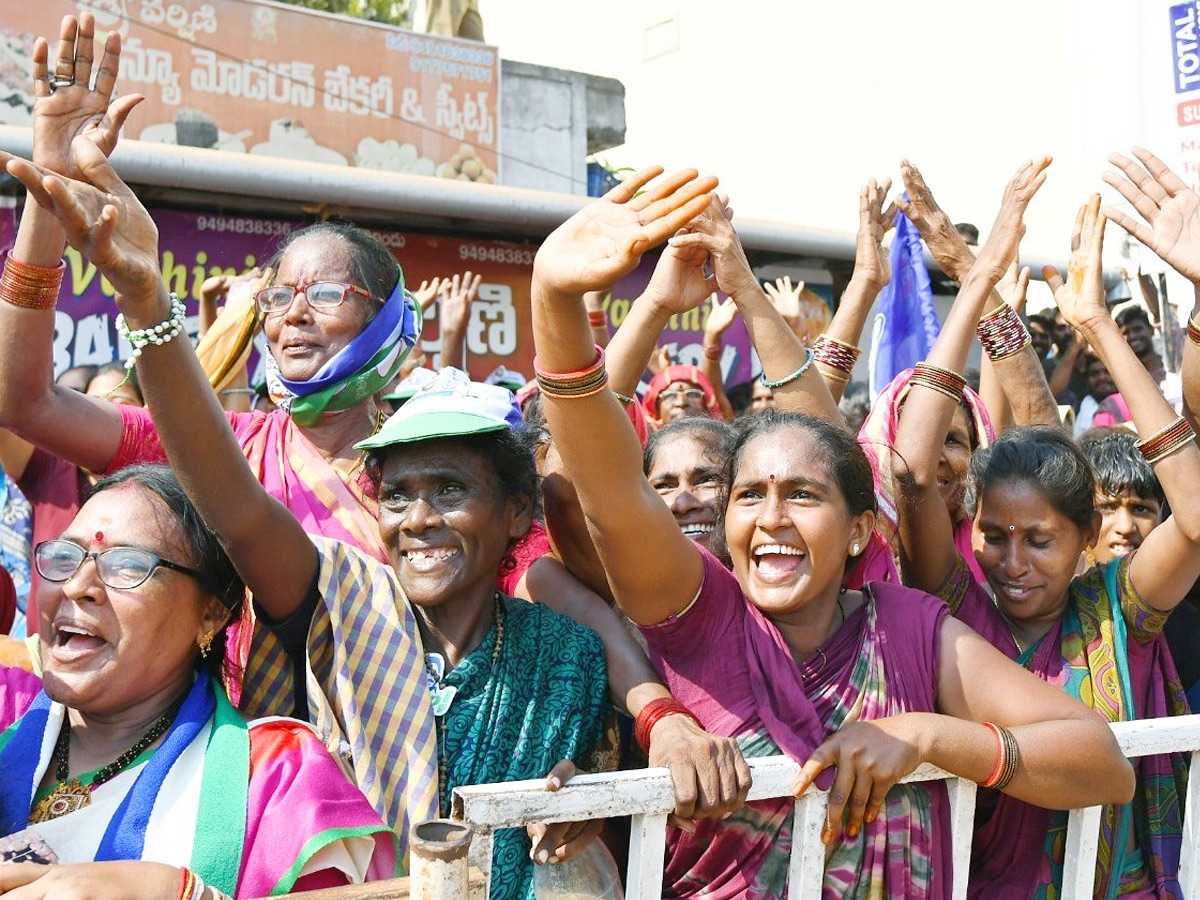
(99, 536)
(772, 477)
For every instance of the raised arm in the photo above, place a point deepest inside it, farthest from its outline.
(1167, 564)
(787, 365)
(872, 273)
(458, 293)
(678, 284)
(1020, 375)
(1169, 225)
(82, 429)
(721, 315)
(107, 224)
(592, 434)
(926, 531)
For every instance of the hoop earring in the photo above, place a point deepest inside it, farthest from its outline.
(206, 644)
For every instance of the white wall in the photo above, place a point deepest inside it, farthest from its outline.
(794, 104)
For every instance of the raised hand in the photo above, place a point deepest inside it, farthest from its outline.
(457, 295)
(786, 299)
(1014, 286)
(606, 239)
(871, 263)
(102, 218)
(1081, 298)
(679, 282)
(76, 108)
(938, 232)
(720, 316)
(429, 291)
(1001, 246)
(711, 233)
(1170, 207)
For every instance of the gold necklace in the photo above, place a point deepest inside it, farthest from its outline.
(71, 794)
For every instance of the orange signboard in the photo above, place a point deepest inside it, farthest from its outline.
(251, 76)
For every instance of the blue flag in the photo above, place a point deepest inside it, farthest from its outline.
(906, 324)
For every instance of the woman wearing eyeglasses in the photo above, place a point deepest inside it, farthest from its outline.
(678, 392)
(339, 323)
(127, 762)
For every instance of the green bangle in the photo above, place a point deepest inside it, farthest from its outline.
(808, 361)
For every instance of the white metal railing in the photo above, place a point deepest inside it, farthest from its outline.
(647, 796)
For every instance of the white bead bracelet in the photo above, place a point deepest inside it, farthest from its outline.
(162, 333)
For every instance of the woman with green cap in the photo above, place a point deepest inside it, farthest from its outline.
(342, 649)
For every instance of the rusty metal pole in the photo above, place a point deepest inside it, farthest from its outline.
(439, 860)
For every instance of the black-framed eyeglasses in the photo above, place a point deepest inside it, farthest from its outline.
(319, 294)
(121, 568)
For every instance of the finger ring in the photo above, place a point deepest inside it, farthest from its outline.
(57, 81)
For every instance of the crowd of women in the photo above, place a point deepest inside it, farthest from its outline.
(266, 643)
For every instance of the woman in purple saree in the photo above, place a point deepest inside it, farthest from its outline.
(1096, 636)
(775, 653)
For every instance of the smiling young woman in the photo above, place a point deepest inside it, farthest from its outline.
(775, 652)
(685, 462)
(1096, 636)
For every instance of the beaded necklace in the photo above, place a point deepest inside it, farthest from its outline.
(444, 696)
(71, 795)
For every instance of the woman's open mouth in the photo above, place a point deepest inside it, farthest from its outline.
(777, 563)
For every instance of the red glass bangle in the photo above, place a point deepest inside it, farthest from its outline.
(654, 712)
(998, 770)
(597, 319)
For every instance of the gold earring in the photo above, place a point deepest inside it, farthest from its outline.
(206, 644)
(1089, 557)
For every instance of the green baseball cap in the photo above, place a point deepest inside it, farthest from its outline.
(449, 406)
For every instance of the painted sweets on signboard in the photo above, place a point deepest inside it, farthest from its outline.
(253, 76)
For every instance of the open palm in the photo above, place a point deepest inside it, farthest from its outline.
(77, 110)
(1081, 297)
(606, 239)
(102, 218)
(1164, 201)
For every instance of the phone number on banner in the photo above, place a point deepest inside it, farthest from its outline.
(237, 225)
(481, 253)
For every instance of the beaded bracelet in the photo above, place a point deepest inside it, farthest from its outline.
(573, 385)
(788, 379)
(1163, 443)
(944, 381)
(1002, 333)
(835, 354)
(31, 287)
(1008, 759)
(654, 712)
(162, 333)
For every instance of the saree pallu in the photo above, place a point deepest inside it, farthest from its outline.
(364, 672)
(729, 664)
(546, 700)
(253, 809)
(1107, 651)
(877, 437)
(365, 680)
(286, 464)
